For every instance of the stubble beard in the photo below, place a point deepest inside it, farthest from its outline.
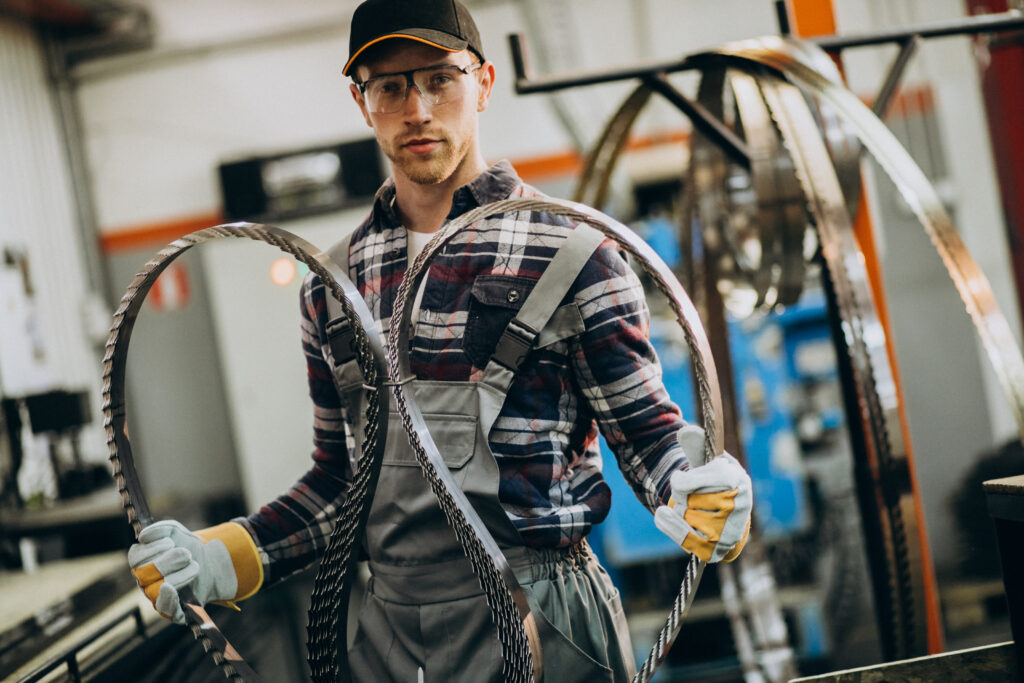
(431, 169)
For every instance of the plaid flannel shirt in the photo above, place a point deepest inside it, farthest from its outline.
(545, 441)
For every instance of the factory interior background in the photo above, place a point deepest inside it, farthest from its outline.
(125, 124)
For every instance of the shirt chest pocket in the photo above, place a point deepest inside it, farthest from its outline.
(494, 301)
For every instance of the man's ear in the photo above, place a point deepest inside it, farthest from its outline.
(486, 85)
(361, 101)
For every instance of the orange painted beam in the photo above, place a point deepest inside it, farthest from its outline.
(549, 166)
(149, 234)
(809, 18)
(533, 169)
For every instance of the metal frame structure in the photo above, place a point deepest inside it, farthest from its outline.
(70, 656)
(654, 76)
(654, 73)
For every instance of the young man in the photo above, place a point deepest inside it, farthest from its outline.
(530, 461)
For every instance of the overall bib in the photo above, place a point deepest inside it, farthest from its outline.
(424, 611)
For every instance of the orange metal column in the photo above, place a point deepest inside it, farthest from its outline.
(810, 18)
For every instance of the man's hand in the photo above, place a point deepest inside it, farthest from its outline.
(709, 511)
(219, 564)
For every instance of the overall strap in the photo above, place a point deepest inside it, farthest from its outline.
(338, 328)
(523, 330)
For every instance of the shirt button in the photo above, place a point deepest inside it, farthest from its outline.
(513, 296)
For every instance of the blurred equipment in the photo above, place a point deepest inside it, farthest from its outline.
(41, 465)
(301, 183)
(62, 507)
(59, 416)
(1006, 506)
(331, 590)
(775, 152)
(86, 620)
(24, 365)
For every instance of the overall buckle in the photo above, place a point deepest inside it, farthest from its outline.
(514, 344)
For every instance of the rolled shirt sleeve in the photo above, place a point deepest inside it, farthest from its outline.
(620, 377)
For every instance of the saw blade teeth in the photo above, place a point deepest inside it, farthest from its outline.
(873, 375)
(115, 357)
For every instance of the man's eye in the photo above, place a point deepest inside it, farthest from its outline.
(386, 88)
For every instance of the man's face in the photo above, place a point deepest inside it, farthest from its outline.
(425, 143)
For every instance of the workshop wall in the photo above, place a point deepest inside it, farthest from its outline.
(230, 78)
(36, 217)
(48, 329)
(260, 354)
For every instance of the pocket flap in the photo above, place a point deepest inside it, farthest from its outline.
(455, 436)
(502, 290)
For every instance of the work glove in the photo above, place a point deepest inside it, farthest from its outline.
(220, 564)
(709, 511)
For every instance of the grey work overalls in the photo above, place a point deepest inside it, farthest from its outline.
(424, 608)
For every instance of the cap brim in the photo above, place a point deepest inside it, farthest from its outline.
(438, 39)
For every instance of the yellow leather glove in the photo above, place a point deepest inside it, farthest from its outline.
(220, 564)
(715, 521)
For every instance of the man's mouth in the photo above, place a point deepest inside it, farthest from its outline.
(421, 145)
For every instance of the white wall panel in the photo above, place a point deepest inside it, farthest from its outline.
(259, 345)
(156, 136)
(191, 22)
(157, 125)
(36, 214)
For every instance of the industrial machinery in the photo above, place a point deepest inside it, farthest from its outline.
(766, 210)
(760, 233)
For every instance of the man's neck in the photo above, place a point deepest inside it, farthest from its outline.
(423, 208)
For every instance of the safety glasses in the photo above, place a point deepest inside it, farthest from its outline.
(436, 85)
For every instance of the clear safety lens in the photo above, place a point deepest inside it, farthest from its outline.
(435, 84)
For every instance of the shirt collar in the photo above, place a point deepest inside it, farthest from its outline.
(494, 184)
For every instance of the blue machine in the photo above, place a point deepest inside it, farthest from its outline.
(774, 357)
(628, 535)
(777, 360)
(762, 369)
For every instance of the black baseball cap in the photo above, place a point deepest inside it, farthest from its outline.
(445, 24)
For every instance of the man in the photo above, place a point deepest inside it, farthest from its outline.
(530, 463)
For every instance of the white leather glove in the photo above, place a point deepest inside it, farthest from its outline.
(715, 521)
(220, 563)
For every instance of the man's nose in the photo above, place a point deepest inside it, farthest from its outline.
(415, 105)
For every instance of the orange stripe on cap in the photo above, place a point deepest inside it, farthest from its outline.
(348, 65)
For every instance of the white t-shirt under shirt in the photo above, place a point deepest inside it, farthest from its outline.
(416, 242)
